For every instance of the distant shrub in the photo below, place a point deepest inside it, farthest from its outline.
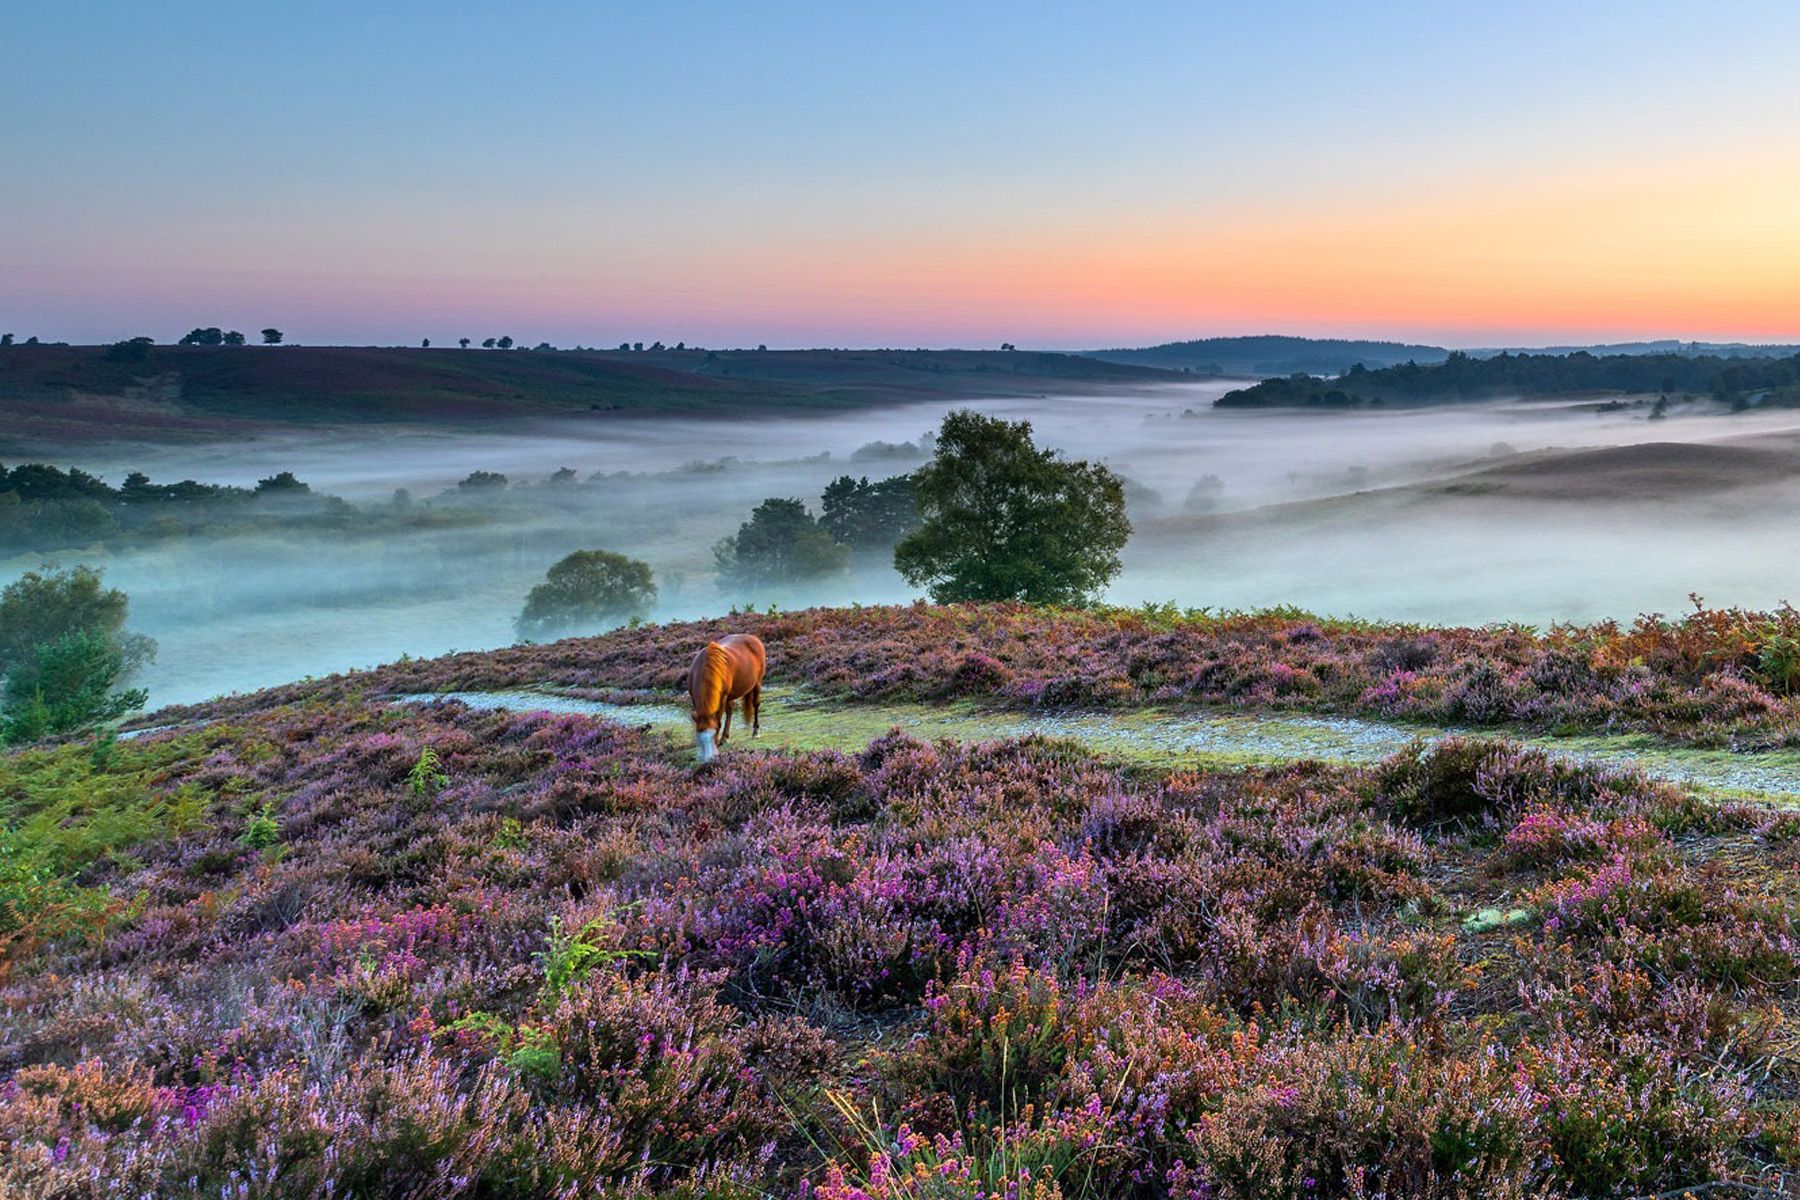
(586, 591)
(131, 350)
(480, 482)
(1403, 654)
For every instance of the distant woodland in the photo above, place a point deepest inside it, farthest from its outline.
(1739, 382)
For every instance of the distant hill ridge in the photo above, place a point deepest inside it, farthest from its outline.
(1271, 354)
(58, 393)
(1268, 355)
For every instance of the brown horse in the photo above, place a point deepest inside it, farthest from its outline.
(725, 671)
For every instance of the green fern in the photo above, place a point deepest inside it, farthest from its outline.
(1778, 661)
(262, 829)
(511, 835)
(427, 776)
(567, 957)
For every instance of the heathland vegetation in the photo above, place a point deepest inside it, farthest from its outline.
(330, 944)
(1711, 677)
(328, 939)
(1271, 355)
(319, 940)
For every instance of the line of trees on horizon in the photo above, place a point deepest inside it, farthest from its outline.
(215, 335)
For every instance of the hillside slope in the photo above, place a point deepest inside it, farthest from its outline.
(69, 394)
(1255, 357)
(347, 946)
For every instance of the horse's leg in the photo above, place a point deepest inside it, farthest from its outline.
(726, 731)
(755, 706)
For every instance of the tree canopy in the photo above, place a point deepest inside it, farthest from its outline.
(1003, 519)
(1465, 377)
(869, 517)
(63, 652)
(586, 591)
(781, 544)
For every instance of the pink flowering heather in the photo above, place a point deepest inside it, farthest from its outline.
(258, 958)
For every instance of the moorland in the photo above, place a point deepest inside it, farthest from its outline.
(54, 396)
(320, 940)
(977, 916)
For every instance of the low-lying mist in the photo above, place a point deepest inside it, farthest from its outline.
(1341, 513)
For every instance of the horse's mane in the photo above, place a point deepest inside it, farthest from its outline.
(716, 664)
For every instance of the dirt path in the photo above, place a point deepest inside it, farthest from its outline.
(1165, 736)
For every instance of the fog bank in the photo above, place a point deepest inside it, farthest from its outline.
(1338, 512)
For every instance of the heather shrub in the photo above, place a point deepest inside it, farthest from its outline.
(412, 1127)
(1377, 1114)
(1482, 695)
(1469, 781)
(922, 969)
(112, 1100)
(1623, 1116)
(1545, 837)
(1009, 1161)
(875, 943)
(1436, 784)
(995, 1042)
(1671, 917)
(1403, 654)
(662, 1059)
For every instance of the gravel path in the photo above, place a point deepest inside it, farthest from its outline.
(1248, 737)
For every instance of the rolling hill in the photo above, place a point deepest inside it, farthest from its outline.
(1257, 357)
(69, 394)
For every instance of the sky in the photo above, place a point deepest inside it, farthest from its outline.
(825, 174)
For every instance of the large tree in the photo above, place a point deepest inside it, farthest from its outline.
(1003, 519)
(781, 544)
(587, 591)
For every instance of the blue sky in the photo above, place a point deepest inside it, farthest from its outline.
(918, 174)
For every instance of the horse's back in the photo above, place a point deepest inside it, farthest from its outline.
(746, 658)
(746, 648)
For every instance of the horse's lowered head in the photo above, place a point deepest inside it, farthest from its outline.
(706, 737)
(724, 671)
(709, 686)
